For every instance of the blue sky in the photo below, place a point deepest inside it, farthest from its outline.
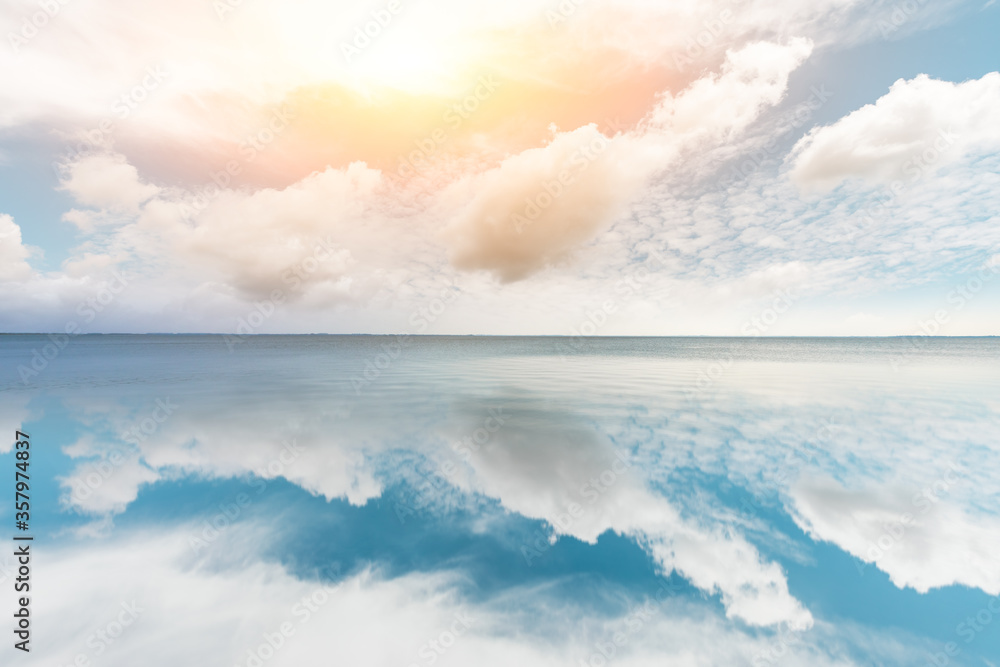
(331, 217)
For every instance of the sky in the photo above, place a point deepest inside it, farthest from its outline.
(731, 167)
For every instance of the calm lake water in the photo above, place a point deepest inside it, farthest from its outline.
(480, 500)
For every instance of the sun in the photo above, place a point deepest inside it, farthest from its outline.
(412, 64)
(367, 50)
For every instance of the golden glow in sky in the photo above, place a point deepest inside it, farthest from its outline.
(445, 137)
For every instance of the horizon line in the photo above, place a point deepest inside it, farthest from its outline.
(426, 335)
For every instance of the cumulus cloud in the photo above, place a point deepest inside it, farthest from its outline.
(919, 126)
(80, 60)
(529, 212)
(536, 207)
(105, 181)
(719, 106)
(14, 254)
(333, 237)
(684, 83)
(278, 239)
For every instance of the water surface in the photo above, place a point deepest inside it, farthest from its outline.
(720, 501)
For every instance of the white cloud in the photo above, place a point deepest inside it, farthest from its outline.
(13, 253)
(908, 134)
(104, 181)
(311, 233)
(85, 58)
(717, 270)
(538, 206)
(334, 237)
(719, 106)
(206, 271)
